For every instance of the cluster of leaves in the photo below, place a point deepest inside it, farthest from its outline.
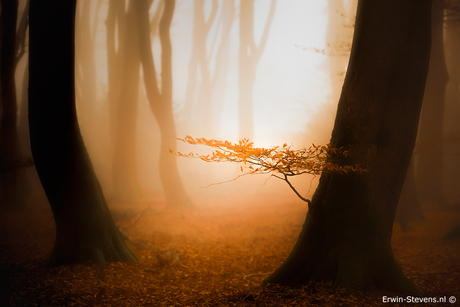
(281, 162)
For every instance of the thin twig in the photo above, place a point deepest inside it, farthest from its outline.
(292, 188)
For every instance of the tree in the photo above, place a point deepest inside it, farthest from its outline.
(85, 230)
(13, 180)
(124, 164)
(430, 135)
(408, 208)
(347, 233)
(160, 98)
(200, 81)
(346, 236)
(249, 56)
(452, 107)
(86, 69)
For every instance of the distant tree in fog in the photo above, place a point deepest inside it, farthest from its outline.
(13, 181)
(85, 230)
(347, 233)
(159, 95)
(123, 83)
(249, 56)
(198, 108)
(430, 135)
(86, 69)
(451, 145)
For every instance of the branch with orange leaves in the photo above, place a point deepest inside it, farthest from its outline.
(281, 160)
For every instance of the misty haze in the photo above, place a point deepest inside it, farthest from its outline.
(229, 152)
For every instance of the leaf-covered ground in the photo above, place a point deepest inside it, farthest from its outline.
(217, 255)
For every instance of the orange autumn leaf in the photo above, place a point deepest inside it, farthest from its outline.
(280, 162)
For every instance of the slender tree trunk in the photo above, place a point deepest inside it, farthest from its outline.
(452, 111)
(409, 209)
(220, 76)
(115, 28)
(452, 125)
(430, 135)
(249, 56)
(85, 72)
(347, 233)
(199, 88)
(125, 169)
(85, 230)
(161, 102)
(246, 70)
(13, 181)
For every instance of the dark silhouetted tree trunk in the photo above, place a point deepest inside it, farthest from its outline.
(249, 56)
(85, 230)
(430, 136)
(160, 100)
(347, 233)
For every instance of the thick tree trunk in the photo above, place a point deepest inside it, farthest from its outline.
(85, 230)
(161, 103)
(347, 233)
(430, 136)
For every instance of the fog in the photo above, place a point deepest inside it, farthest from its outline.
(294, 96)
(272, 72)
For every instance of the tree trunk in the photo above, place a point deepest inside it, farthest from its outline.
(221, 71)
(249, 56)
(347, 233)
(115, 28)
(161, 103)
(125, 169)
(408, 208)
(13, 181)
(86, 72)
(430, 135)
(452, 110)
(85, 230)
(199, 87)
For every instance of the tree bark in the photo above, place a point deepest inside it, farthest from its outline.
(347, 233)
(85, 230)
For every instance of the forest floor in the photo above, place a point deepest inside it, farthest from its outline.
(216, 255)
